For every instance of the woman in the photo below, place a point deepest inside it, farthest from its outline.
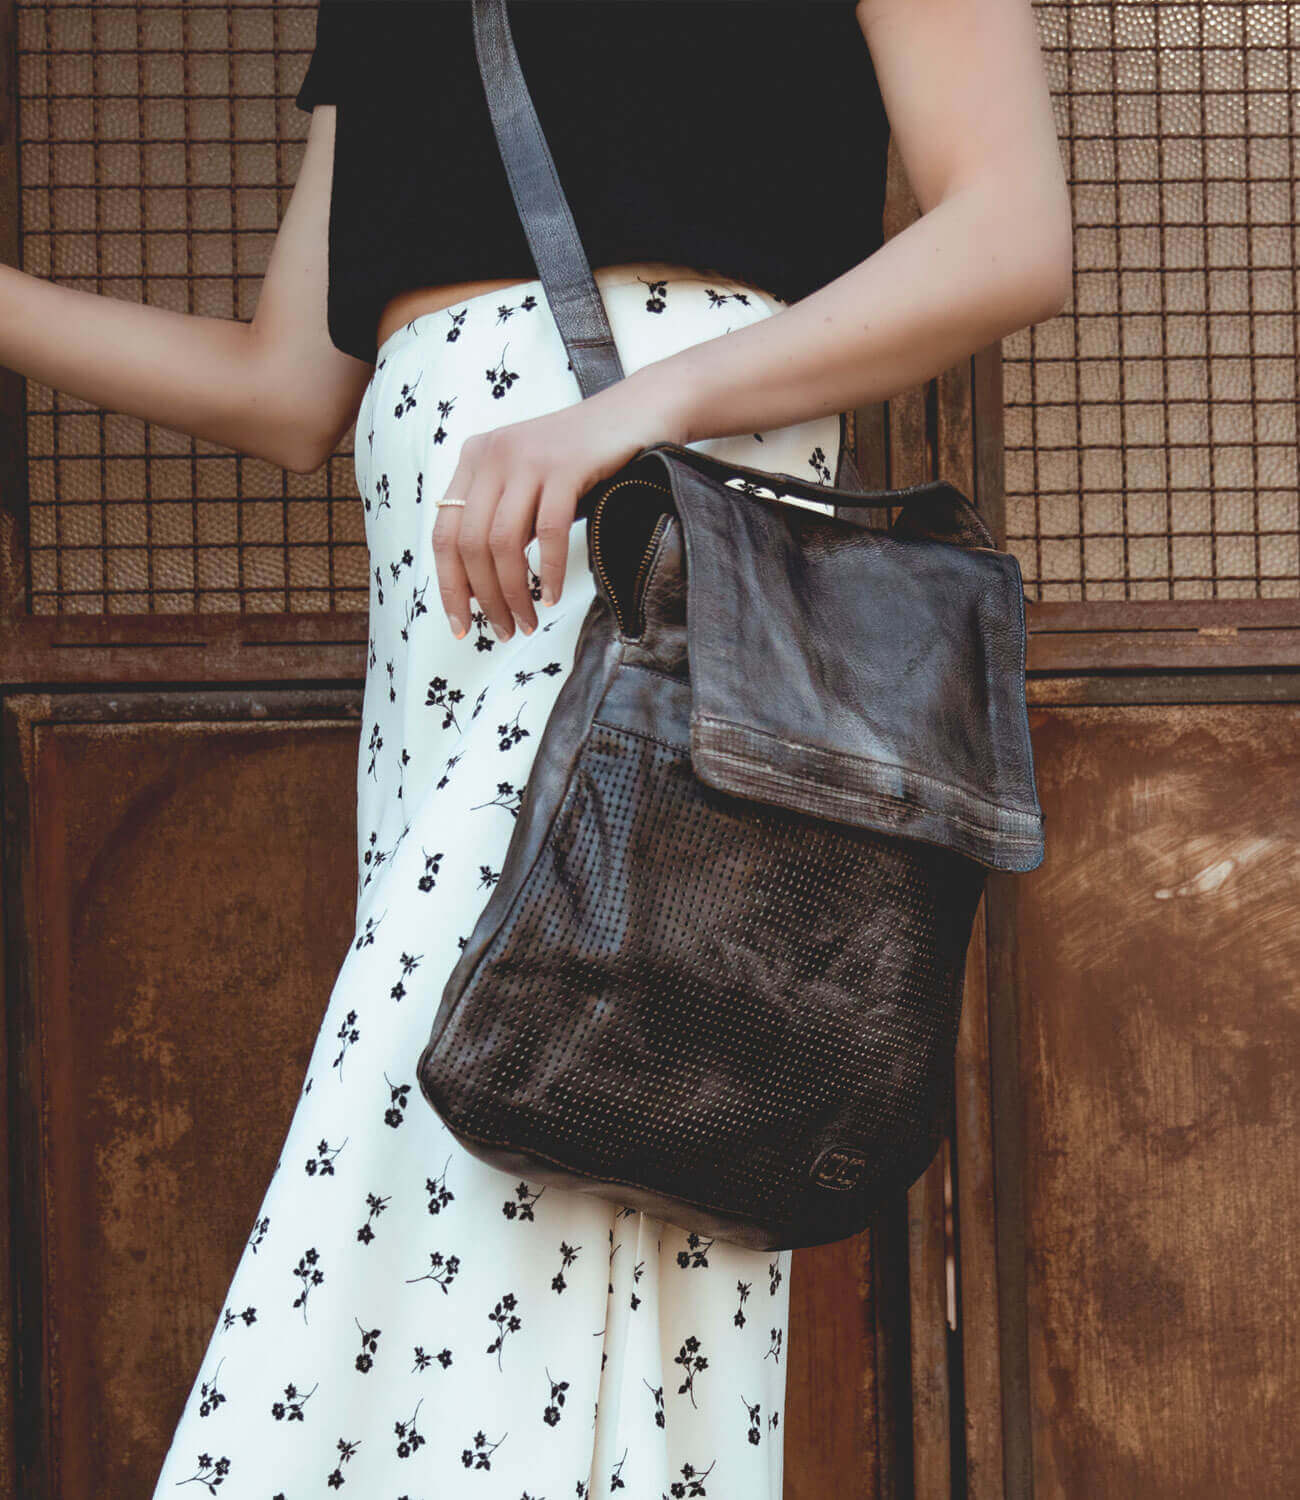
(406, 1320)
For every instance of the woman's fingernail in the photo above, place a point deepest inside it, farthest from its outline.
(458, 626)
(500, 634)
(548, 594)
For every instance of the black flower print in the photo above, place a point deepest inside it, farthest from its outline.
(720, 299)
(407, 400)
(551, 1412)
(693, 1362)
(322, 1163)
(507, 1320)
(568, 1254)
(499, 377)
(817, 460)
(440, 432)
(480, 1455)
(523, 677)
(346, 1450)
(414, 608)
(638, 1271)
(259, 1233)
(425, 1361)
(510, 733)
(755, 1432)
(657, 1392)
(446, 698)
(310, 1275)
(212, 1397)
(742, 1287)
(774, 1275)
(697, 1253)
(440, 1195)
(409, 1437)
(691, 1482)
(367, 936)
(616, 1480)
(656, 295)
(347, 1034)
(526, 304)
(381, 492)
(523, 1208)
(774, 1348)
(375, 1206)
(457, 319)
(211, 1473)
(396, 1111)
(291, 1408)
(248, 1317)
(508, 796)
(430, 876)
(409, 963)
(487, 876)
(442, 1270)
(484, 637)
(367, 859)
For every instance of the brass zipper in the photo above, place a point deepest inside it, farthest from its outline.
(654, 536)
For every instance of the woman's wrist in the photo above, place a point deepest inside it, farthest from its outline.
(654, 400)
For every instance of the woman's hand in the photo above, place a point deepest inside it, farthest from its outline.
(524, 480)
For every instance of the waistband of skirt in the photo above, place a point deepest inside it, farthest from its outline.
(609, 291)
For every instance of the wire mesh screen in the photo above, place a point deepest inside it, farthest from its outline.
(157, 146)
(1151, 428)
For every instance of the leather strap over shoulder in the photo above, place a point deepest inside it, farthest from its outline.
(543, 209)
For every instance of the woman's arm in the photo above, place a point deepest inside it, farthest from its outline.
(964, 87)
(274, 387)
(967, 98)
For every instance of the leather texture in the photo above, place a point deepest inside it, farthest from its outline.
(719, 976)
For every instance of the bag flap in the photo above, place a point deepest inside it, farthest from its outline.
(871, 677)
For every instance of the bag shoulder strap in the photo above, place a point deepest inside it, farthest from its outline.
(547, 219)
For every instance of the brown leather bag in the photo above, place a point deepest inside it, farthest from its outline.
(719, 977)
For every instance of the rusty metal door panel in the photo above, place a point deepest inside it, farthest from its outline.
(181, 891)
(1154, 1026)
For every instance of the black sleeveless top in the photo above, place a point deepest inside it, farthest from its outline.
(746, 138)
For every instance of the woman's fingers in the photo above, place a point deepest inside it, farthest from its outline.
(555, 512)
(475, 546)
(525, 479)
(508, 534)
(453, 581)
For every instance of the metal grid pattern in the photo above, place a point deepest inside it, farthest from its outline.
(1151, 428)
(157, 146)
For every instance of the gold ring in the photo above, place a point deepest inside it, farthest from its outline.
(449, 502)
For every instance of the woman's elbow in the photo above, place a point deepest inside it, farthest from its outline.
(1045, 260)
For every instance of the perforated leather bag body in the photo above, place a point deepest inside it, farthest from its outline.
(719, 977)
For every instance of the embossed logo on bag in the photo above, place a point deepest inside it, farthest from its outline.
(839, 1167)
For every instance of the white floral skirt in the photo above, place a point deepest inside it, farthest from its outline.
(406, 1322)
